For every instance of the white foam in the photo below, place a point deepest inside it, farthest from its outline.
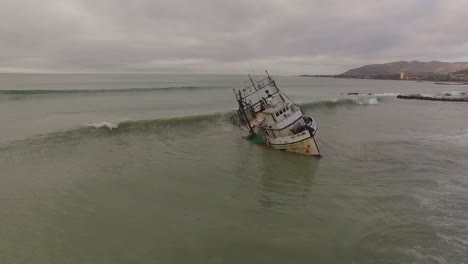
(460, 137)
(367, 101)
(458, 93)
(427, 95)
(109, 125)
(388, 94)
(455, 93)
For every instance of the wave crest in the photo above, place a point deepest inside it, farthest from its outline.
(340, 102)
(183, 126)
(108, 125)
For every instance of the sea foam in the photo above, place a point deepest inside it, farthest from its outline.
(367, 101)
(388, 94)
(108, 125)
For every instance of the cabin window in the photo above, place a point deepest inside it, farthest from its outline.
(277, 114)
(287, 107)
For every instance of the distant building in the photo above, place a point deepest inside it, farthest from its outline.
(405, 75)
(458, 77)
(431, 76)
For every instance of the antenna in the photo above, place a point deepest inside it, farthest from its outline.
(272, 81)
(253, 70)
(251, 80)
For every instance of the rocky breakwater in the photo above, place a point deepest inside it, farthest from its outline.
(446, 97)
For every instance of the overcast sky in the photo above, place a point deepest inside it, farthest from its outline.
(237, 36)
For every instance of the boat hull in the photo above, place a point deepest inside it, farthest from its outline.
(304, 144)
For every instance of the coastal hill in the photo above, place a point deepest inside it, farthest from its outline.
(392, 68)
(465, 71)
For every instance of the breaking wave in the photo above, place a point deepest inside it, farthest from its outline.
(388, 94)
(339, 102)
(372, 101)
(455, 93)
(371, 94)
(108, 125)
(183, 126)
(193, 121)
(202, 120)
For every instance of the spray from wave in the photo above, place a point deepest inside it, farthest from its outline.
(370, 101)
(388, 94)
(455, 93)
(108, 125)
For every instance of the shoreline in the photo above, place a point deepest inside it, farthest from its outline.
(448, 82)
(451, 83)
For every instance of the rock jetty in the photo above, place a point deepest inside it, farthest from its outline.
(433, 98)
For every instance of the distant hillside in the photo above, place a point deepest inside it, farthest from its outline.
(407, 66)
(465, 71)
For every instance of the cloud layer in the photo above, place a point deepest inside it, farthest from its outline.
(217, 36)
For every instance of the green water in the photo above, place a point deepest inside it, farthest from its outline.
(174, 182)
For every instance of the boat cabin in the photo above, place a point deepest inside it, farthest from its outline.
(278, 112)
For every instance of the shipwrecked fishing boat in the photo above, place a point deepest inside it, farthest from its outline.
(273, 119)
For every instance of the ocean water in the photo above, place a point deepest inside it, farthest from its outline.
(142, 168)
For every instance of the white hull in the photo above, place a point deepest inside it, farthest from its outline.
(302, 143)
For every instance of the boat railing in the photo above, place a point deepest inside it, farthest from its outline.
(255, 85)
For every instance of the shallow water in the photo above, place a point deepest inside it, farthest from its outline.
(147, 169)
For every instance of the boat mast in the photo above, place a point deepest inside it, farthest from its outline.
(277, 89)
(242, 110)
(253, 83)
(272, 81)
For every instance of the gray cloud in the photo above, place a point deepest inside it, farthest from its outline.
(216, 36)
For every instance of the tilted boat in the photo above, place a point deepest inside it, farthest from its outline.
(272, 118)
